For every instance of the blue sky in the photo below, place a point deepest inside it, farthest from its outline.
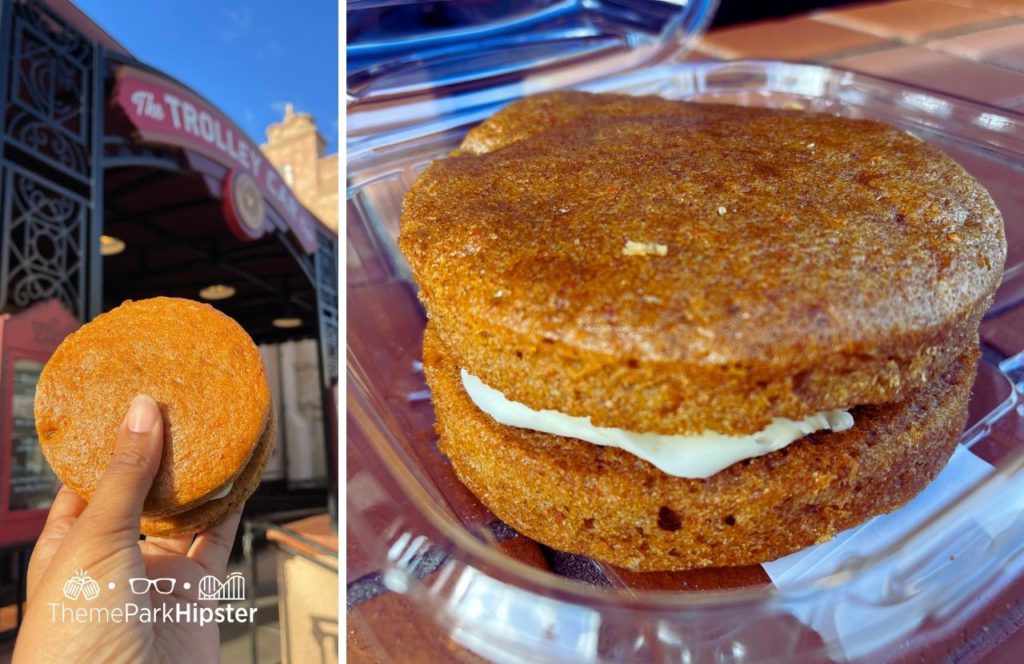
(248, 57)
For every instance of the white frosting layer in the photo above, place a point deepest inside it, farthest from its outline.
(692, 456)
(225, 490)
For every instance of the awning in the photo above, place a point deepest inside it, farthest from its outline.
(256, 198)
(197, 204)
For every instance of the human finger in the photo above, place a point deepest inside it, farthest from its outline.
(213, 546)
(116, 504)
(64, 512)
(178, 545)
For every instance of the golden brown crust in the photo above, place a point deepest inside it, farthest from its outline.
(610, 505)
(811, 262)
(198, 364)
(209, 514)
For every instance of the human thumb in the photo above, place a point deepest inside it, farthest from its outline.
(116, 504)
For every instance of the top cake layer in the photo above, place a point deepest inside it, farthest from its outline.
(672, 267)
(199, 365)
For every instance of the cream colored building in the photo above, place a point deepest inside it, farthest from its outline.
(296, 148)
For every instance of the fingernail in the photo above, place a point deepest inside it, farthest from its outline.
(142, 414)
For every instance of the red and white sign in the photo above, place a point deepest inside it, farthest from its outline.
(168, 114)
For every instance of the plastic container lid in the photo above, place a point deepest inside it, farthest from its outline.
(456, 54)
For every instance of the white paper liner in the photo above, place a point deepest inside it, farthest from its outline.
(860, 627)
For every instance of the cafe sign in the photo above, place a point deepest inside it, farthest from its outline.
(164, 113)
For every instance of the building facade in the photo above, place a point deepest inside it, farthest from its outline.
(296, 148)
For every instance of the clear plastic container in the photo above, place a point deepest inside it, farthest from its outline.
(412, 60)
(940, 589)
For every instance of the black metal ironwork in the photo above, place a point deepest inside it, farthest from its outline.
(49, 96)
(326, 272)
(42, 241)
(51, 183)
(302, 259)
(36, 137)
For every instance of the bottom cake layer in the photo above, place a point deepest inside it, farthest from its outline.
(212, 512)
(607, 504)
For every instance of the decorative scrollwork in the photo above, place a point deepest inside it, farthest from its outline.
(50, 73)
(43, 242)
(68, 83)
(40, 138)
(46, 148)
(67, 40)
(34, 288)
(43, 205)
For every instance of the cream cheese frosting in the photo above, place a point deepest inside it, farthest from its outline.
(682, 455)
(224, 491)
(221, 493)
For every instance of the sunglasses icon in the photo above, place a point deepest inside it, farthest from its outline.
(141, 585)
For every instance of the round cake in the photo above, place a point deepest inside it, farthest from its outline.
(205, 373)
(642, 310)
